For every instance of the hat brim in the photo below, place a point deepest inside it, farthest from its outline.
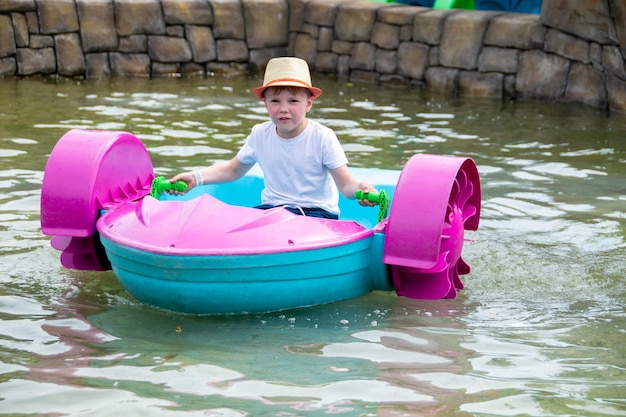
(315, 92)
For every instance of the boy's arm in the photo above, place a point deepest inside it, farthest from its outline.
(348, 184)
(219, 173)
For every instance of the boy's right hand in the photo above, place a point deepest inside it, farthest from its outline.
(187, 178)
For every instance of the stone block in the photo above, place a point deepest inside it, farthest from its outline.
(326, 62)
(584, 18)
(8, 67)
(228, 19)
(174, 31)
(343, 65)
(461, 40)
(57, 16)
(342, 47)
(386, 61)
(515, 30)
(428, 26)
(480, 84)
(442, 80)
(586, 85)
(7, 37)
(412, 59)
(618, 8)
(35, 61)
(541, 76)
(133, 44)
(394, 80)
(613, 61)
(406, 33)
(355, 22)
(130, 65)
(165, 70)
(97, 65)
(362, 76)
(292, 42)
(69, 55)
(177, 31)
(168, 49)
(433, 56)
(498, 59)
(257, 14)
(385, 35)
(305, 47)
(135, 17)
(363, 56)
(567, 46)
(97, 25)
(509, 86)
(595, 55)
(41, 41)
(20, 27)
(616, 89)
(192, 69)
(188, 12)
(232, 50)
(321, 13)
(296, 14)
(399, 15)
(325, 39)
(32, 20)
(310, 29)
(202, 43)
(227, 68)
(17, 6)
(260, 57)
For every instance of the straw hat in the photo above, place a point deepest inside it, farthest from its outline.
(287, 72)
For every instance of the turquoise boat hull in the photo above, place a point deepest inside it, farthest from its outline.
(245, 284)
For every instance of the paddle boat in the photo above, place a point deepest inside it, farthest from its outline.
(208, 251)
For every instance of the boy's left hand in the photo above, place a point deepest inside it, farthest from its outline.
(367, 188)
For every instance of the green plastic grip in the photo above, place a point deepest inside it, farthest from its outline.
(160, 185)
(381, 198)
(372, 196)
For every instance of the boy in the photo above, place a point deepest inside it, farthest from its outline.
(302, 161)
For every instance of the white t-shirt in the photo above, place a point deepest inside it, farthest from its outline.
(296, 170)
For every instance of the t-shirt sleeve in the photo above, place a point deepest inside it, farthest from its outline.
(334, 155)
(247, 153)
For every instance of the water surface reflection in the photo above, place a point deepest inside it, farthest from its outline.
(539, 330)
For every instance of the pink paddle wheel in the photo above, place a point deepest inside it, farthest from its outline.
(431, 209)
(89, 171)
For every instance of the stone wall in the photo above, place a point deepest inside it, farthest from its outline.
(574, 51)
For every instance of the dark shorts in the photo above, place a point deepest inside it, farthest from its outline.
(304, 211)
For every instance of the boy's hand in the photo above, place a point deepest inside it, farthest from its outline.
(187, 178)
(364, 201)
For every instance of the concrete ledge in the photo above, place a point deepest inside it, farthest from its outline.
(574, 55)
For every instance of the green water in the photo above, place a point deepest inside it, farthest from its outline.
(539, 330)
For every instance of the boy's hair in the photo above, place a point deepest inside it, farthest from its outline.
(292, 90)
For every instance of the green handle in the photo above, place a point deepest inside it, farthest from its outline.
(372, 196)
(381, 198)
(160, 185)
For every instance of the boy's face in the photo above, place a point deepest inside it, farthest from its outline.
(287, 108)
